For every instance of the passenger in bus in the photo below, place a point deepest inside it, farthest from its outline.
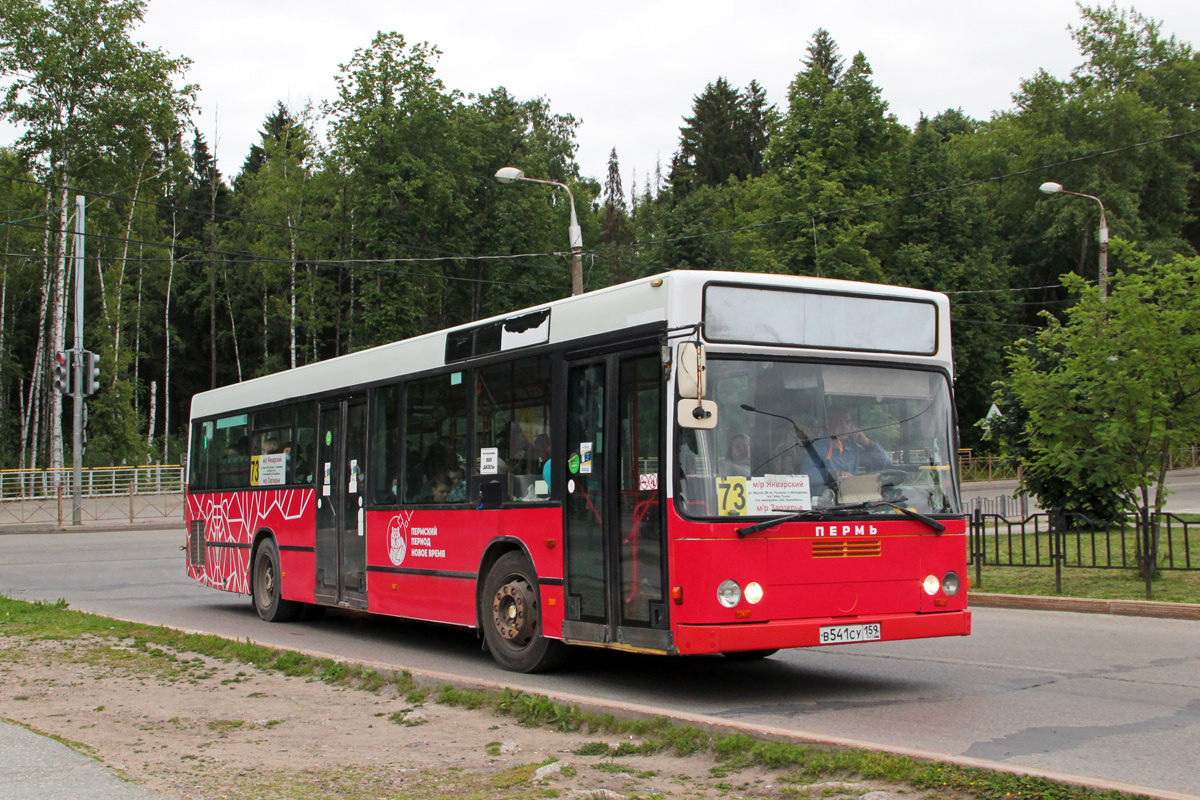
(539, 454)
(737, 457)
(846, 450)
(440, 489)
(233, 471)
(303, 465)
(455, 477)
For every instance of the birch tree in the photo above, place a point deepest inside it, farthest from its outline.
(79, 88)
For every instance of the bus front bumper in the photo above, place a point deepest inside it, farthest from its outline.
(780, 634)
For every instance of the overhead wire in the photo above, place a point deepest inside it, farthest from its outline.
(603, 253)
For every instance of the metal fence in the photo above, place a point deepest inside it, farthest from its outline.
(1004, 505)
(44, 484)
(133, 494)
(974, 467)
(1059, 540)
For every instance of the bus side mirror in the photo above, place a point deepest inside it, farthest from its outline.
(692, 366)
(694, 411)
(697, 414)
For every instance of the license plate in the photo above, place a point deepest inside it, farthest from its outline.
(845, 634)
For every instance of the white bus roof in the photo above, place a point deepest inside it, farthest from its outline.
(673, 298)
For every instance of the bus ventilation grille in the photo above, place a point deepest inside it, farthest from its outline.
(847, 548)
(196, 548)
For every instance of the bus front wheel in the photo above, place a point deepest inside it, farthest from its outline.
(511, 618)
(267, 586)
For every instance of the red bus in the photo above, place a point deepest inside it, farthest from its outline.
(698, 462)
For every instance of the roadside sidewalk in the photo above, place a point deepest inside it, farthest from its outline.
(36, 767)
(90, 525)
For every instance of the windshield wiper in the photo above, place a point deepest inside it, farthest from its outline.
(841, 510)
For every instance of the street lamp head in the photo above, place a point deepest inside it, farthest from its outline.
(509, 175)
(1050, 187)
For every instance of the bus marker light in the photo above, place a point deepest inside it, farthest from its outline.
(754, 592)
(729, 594)
(931, 584)
(551, 601)
(550, 543)
(941, 601)
(742, 614)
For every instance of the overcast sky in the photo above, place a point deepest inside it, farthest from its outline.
(627, 69)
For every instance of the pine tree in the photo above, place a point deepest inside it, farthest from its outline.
(616, 217)
(725, 137)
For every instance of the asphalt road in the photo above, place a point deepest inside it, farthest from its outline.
(1115, 698)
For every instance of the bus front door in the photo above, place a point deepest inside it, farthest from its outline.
(614, 535)
(341, 557)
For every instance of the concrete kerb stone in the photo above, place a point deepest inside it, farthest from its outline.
(1083, 605)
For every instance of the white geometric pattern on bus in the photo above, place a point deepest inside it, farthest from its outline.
(234, 518)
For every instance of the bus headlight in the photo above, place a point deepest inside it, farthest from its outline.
(729, 594)
(931, 585)
(753, 592)
(950, 584)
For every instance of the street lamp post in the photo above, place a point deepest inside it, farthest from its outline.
(1049, 187)
(512, 175)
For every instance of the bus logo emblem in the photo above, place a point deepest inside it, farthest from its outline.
(398, 537)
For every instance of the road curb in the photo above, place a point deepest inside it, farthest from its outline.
(1083, 605)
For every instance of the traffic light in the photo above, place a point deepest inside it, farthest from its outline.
(91, 372)
(62, 371)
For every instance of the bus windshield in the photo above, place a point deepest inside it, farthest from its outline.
(797, 436)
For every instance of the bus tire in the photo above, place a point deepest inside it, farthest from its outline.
(511, 618)
(267, 587)
(750, 655)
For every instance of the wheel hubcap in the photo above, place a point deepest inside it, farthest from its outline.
(512, 612)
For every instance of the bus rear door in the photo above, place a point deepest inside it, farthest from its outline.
(341, 558)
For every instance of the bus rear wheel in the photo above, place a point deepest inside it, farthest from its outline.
(511, 618)
(267, 588)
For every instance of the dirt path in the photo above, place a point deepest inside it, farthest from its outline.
(193, 727)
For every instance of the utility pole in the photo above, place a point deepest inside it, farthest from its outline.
(77, 384)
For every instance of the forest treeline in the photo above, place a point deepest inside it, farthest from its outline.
(374, 215)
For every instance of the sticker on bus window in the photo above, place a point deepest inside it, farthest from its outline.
(585, 458)
(326, 488)
(731, 497)
(573, 463)
(648, 482)
(778, 494)
(489, 460)
(271, 470)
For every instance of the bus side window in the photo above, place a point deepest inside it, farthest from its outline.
(304, 444)
(385, 446)
(435, 436)
(233, 452)
(513, 416)
(200, 471)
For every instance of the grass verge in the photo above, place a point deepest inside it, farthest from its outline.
(797, 765)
